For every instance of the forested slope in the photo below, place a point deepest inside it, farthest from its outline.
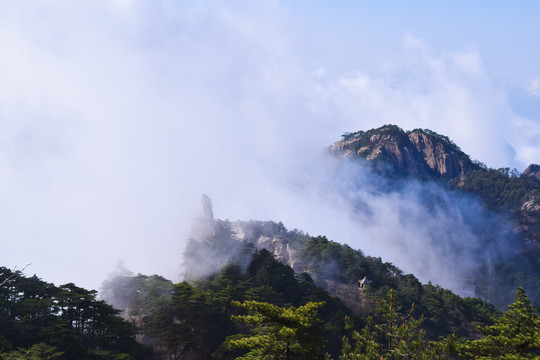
(192, 320)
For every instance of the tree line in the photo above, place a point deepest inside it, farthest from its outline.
(262, 311)
(43, 321)
(291, 333)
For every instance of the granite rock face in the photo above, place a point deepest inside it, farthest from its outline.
(419, 153)
(271, 236)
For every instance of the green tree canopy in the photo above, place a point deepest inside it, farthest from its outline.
(39, 351)
(279, 333)
(391, 335)
(514, 335)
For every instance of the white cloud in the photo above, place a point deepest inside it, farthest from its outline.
(355, 82)
(320, 73)
(469, 62)
(534, 87)
(413, 42)
(450, 93)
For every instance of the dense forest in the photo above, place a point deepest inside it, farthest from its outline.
(265, 311)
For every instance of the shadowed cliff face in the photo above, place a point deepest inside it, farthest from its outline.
(420, 153)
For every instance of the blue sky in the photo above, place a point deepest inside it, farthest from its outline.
(503, 32)
(116, 115)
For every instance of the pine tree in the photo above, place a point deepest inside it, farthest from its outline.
(39, 351)
(279, 333)
(514, 335)
(394, 336)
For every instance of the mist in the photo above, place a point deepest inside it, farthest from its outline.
(115, 116)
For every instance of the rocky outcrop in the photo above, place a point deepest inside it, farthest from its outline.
(281, 249)
(533, 170)
(203, 228)
(531, 207)
(271, 236)
(529, 222)
(421, 153)
(440, 155)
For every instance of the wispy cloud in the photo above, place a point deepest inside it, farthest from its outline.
(450, 93)
(534, 87)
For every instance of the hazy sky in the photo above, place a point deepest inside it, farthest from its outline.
(116, 115)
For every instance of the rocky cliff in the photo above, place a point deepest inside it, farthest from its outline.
(529, 214)
(533, 170)
(271, 236)
(419, 153)
(529, 223)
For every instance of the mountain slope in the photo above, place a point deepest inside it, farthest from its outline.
(424, 154)
(190, 320)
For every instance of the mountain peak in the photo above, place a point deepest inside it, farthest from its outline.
(420, 152)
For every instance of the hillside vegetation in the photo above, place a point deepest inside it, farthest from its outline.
(176, 317)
